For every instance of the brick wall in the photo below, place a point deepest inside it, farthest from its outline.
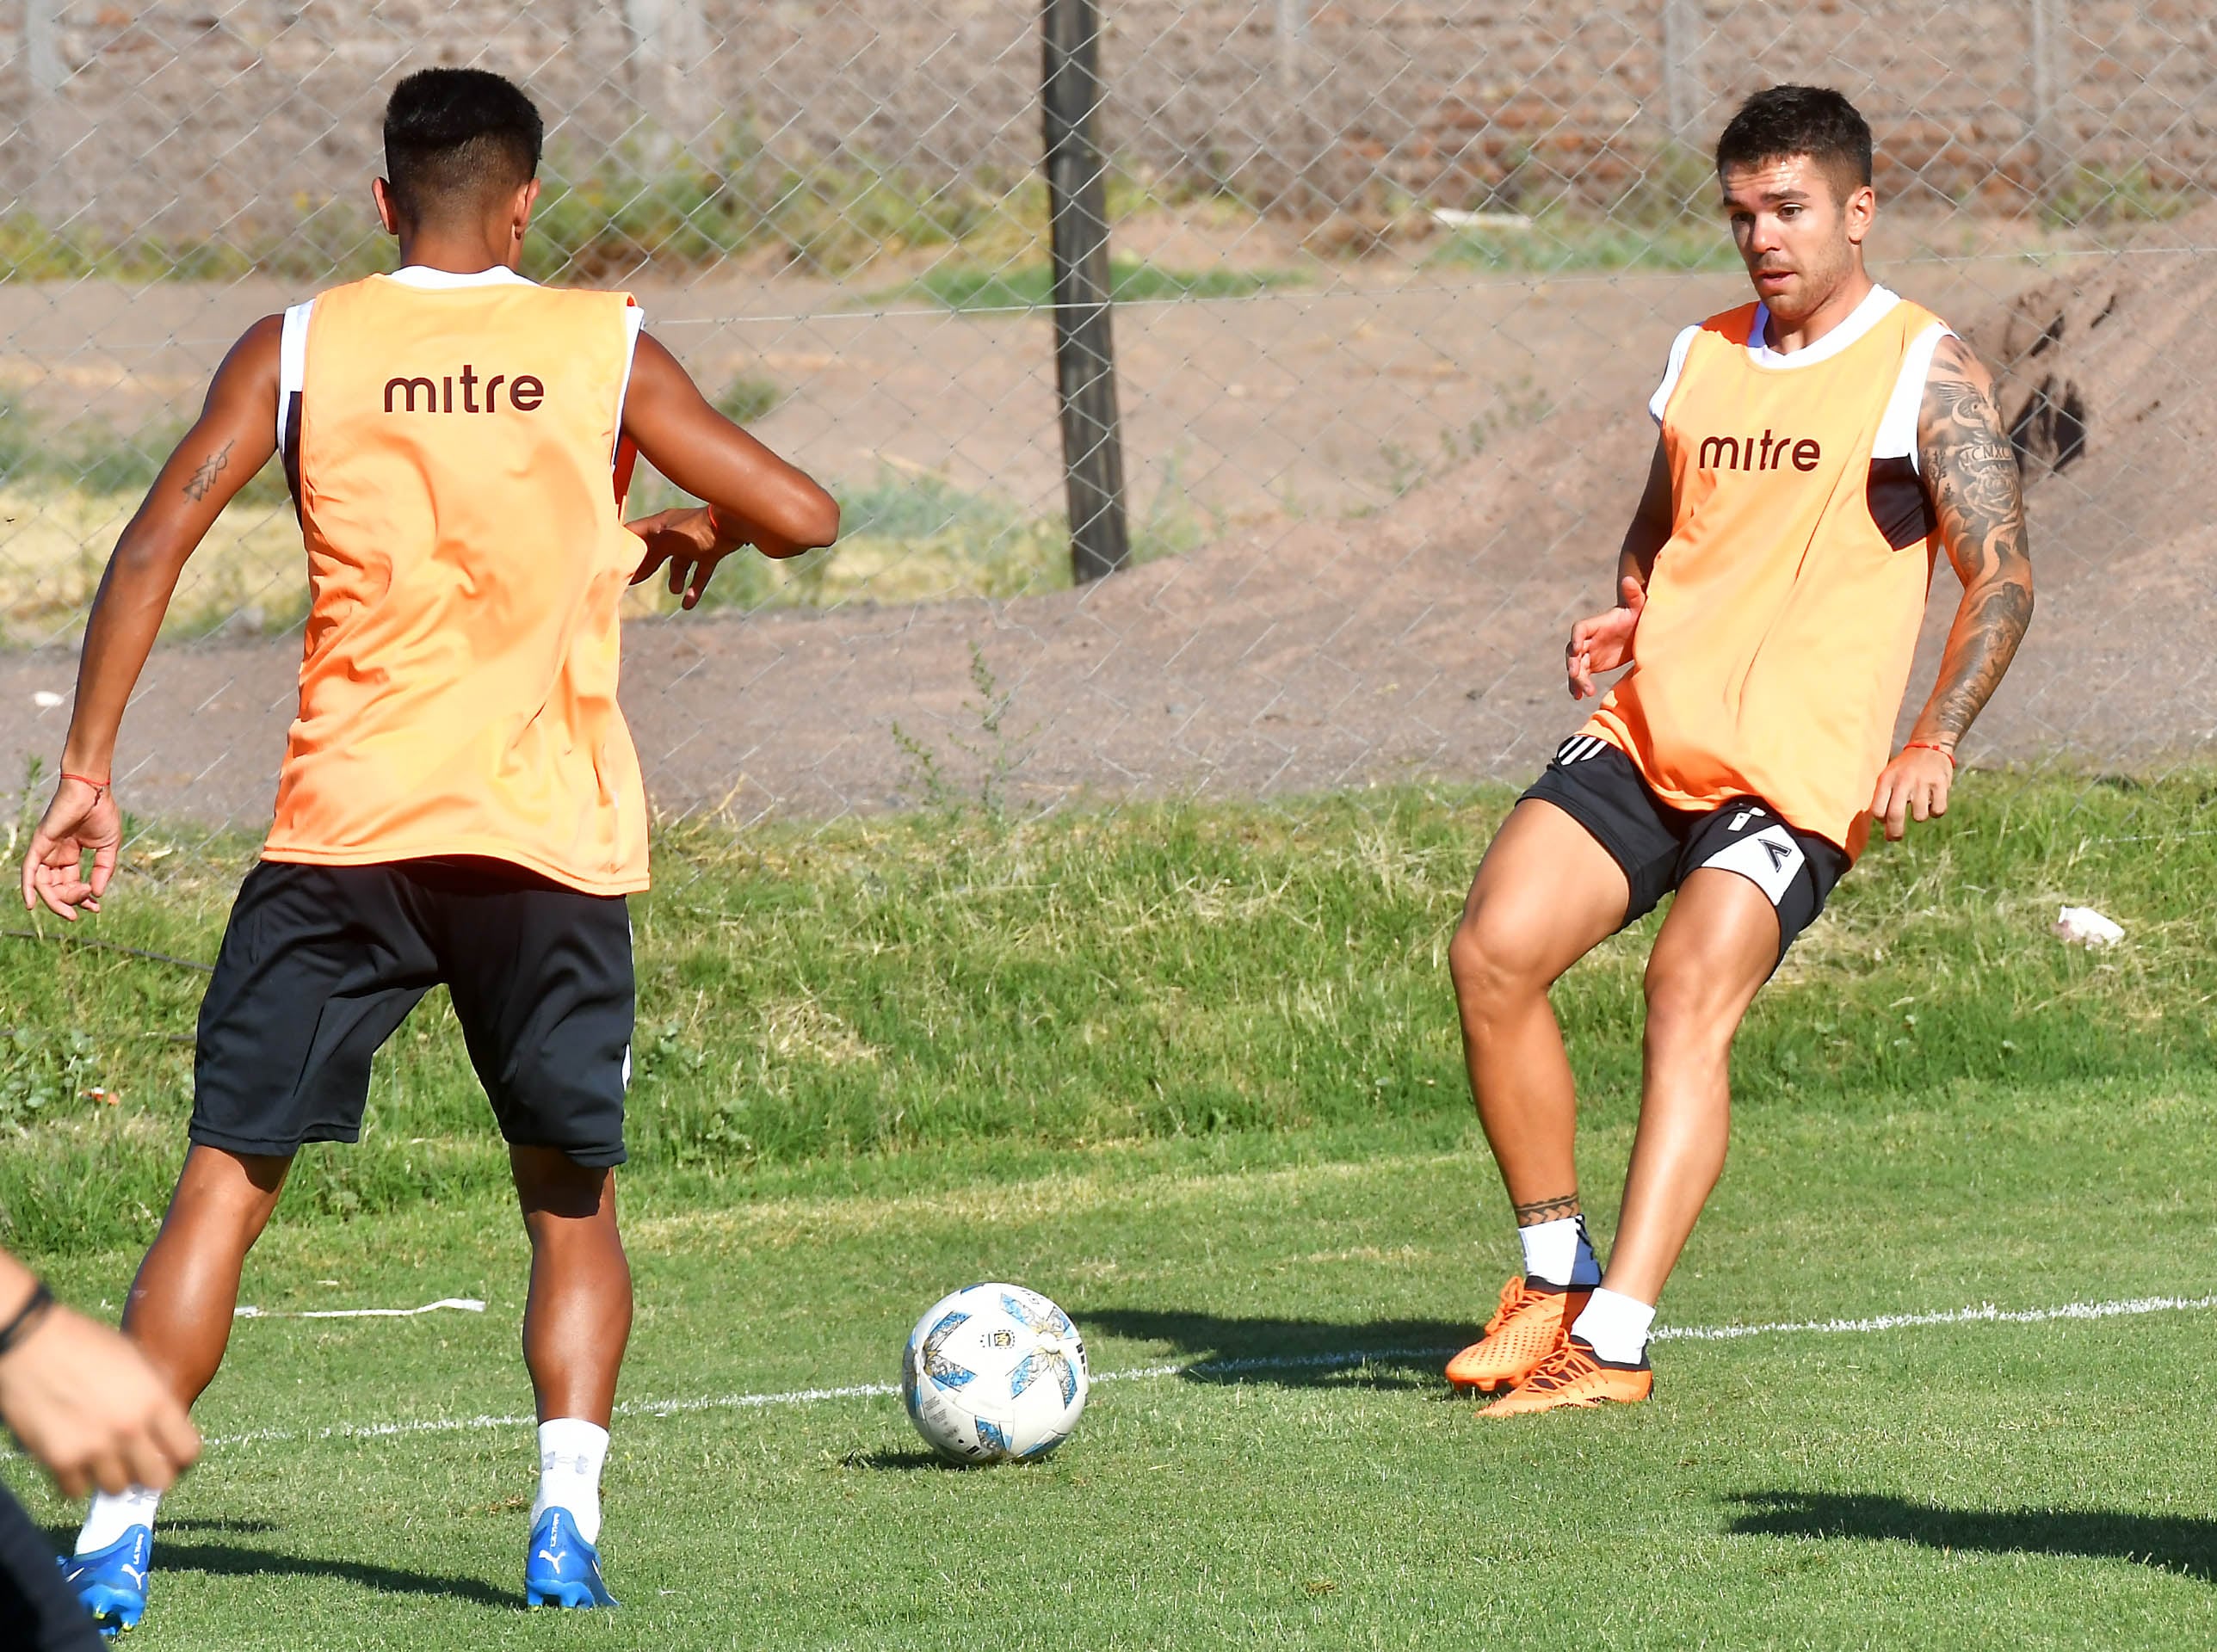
(200, 116)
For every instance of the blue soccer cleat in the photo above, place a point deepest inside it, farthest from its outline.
(562, 1568)
(111, 1583)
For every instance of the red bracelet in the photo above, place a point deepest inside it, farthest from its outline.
(85, 780)
(1926, 745)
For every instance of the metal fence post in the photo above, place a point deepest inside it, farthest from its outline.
(42, 51)
(1292, 37)
(1683, 94)
(1084, 351)
(2048, 23)
(670, 48)
(48, 128)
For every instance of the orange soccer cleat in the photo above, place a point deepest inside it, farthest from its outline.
(1527, 1327)
(1575, 1375)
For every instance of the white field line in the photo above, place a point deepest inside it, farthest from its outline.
(465, 1304)
(1986, 1314)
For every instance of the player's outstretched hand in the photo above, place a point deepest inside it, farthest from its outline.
(1914, 785)
(1604, 641)
(691, 541)
(82, 820)
(86, 1404)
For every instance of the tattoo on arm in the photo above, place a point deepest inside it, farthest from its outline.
(1971, 470)
(1547, 1209)
(198, 484)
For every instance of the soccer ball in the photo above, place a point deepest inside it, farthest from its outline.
(994, 1372)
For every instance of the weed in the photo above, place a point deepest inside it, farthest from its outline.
(1173, 524)
(1031, 286)
(1564, 239)
(1405, 471)
(1519, 405)
(2100, 195)
(1675, 189)
(993, 754)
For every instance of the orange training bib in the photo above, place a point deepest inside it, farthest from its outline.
(451, 444)
(1782, 614)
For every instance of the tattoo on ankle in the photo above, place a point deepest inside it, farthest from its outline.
(1547, 1210)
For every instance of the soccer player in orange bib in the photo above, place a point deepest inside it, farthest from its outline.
(459, 802)
(1817, 447)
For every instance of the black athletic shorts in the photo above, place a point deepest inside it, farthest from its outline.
(319, 966)
(38, 1611)
(1660, 847)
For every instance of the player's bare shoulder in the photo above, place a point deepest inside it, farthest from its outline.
(1959, 393)
(246, 381)
(258, 347)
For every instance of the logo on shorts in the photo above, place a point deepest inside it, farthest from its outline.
(1769, 859)
(1577, 749)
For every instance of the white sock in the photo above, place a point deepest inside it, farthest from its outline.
(570, 1453)
(1559, 1253)
(112, 1514)
(1616, 1327)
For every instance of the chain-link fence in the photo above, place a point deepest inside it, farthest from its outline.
(1391, 285)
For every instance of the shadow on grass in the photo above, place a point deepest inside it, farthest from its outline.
(63, 1538)
(228, 1528)
(907, 1462)
(227, 1560)
(1293, 1353)
(2174, 1542)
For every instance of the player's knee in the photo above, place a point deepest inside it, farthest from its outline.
(1492, 962)
(1688, 1011)
(222, 1189)
(549, 1180)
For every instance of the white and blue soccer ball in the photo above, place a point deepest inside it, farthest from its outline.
(994, 1372)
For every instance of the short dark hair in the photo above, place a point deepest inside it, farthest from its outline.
(1812, 121)
(456, 136)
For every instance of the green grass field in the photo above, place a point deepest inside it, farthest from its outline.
(1192, 1071)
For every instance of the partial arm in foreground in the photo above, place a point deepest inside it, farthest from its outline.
(80, 1399)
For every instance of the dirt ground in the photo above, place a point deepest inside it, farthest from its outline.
(1309, 647)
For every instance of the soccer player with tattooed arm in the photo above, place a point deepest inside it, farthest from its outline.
(1819, 448)
(461, 803)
